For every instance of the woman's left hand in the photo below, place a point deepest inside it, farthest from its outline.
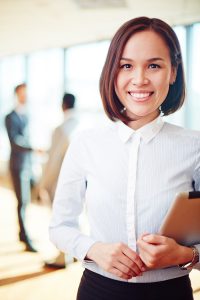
(158, 251)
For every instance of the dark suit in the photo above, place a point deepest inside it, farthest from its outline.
(20, 165)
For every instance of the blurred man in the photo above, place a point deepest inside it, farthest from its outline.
(20, 160)
(60, 142)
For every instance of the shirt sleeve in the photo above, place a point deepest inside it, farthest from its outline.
(68, 204)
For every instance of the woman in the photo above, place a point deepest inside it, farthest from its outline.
(133, 169)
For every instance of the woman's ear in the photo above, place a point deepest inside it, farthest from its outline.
(173, 75)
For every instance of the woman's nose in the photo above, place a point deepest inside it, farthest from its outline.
(139, 78)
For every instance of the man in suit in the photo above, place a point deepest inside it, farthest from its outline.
(59, 144)
(20, 160)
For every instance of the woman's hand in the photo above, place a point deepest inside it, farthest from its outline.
(158, 251)
(117, 259)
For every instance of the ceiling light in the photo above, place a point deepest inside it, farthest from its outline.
(101, 3)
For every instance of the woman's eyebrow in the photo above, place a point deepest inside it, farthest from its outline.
(155, 59)
(128, 59)
(149, 60)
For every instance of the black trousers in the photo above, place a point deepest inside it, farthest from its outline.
(22, 186)
(96, 287)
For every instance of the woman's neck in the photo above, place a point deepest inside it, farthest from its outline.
(141, 121)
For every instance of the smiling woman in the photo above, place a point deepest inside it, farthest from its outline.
(130, 174)
(171, 58)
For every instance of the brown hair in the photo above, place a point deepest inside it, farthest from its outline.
(176, 94)
(19, 86)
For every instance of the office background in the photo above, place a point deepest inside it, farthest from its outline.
(57, 46)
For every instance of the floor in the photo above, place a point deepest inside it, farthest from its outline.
(22, 274)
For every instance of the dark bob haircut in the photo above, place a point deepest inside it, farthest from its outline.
(176, 94)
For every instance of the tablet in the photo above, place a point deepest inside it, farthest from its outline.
(182, 221)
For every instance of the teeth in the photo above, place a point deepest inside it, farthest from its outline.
(140, 95)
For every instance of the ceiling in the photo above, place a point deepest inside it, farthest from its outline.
(29, 25)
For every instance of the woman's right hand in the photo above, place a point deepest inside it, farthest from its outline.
(117, 259)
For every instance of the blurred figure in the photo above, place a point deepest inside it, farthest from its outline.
(60, 142)
(20, 160)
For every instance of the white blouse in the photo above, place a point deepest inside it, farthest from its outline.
(128, 180)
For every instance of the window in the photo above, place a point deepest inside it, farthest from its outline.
(83, 68)
(45, 88)
(82, 71)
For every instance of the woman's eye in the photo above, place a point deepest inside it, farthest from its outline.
(154, 66)
(125, 66)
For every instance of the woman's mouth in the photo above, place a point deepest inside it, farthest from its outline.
(140, 96)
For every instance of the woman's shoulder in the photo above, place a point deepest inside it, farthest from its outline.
(181, 131)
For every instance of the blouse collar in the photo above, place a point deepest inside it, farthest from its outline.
(147, 132)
